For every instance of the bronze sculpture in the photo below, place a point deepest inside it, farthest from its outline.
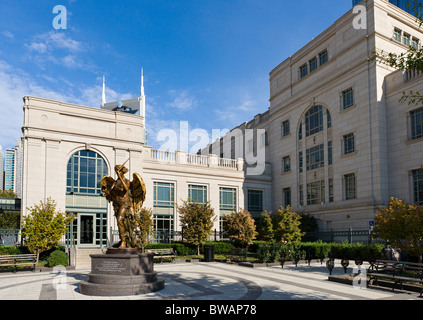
(127, 198)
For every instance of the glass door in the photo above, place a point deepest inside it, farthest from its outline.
(86, 230)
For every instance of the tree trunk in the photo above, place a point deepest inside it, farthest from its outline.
(198, 250)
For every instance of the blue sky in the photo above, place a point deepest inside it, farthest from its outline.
(205, 62)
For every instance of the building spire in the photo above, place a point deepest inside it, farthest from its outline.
(142, 83)
(103, 96)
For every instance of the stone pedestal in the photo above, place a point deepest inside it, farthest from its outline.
(121, 272)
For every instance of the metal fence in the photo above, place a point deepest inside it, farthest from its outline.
(166, 236)
(350, 236)
(9, 237)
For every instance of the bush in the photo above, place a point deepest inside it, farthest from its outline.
(57, 258)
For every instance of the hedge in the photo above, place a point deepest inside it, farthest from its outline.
(185, 249)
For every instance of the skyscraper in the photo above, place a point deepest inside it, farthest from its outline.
(1, 169)
(13, 169)
(406, 5)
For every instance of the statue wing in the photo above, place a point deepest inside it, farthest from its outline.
(138, 191)
(106, 185)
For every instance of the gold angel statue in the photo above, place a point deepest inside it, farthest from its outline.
(127, 199)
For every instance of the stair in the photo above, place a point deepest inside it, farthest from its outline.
(83, 259)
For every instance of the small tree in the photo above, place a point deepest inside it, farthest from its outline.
(240, 228)
(265, 227)
(402, 225)
(44, 227)
(286, 226)
(196, 220)
(144, 226)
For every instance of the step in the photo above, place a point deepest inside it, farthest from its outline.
(83, 258)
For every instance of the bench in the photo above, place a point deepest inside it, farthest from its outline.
(237, 255)
(397, 272)
(163, 253)
(18, 260)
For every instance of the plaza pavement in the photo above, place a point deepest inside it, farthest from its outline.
(205, 281)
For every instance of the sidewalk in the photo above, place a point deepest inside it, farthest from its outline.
(205, 281)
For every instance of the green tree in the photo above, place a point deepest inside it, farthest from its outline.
(286, 226)
(144, 227)
(402, 225)
(240, 228)
(196, 220)
(44, 227)
(265, 227)
(308, 223)
(8, 194)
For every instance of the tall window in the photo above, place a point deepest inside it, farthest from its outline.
(300, 161)
(314, 120)
(416, 124)
(197, 193)
(406, 39)
(287, 197)
(330, 189)
(84, 172)
(285, 128)
(315, 157)
(255, 200)
(350, 186)
(303, 71)
(286, 164)
(163, 194)
(418, 186)
(227, 199)
(330, 153)
(397, 35)
(316, 192)
(349, 144)
(347, 98)
(313, 64)
(323, 57)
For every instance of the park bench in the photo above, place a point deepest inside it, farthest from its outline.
(397, 272)
(18, 260)
(163, 253)
(237, 255)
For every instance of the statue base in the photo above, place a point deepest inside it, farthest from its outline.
(121, 272)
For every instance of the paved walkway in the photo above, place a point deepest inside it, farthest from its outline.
(205, 281)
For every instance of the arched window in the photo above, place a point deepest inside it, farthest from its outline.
(84, 173)
(314, 120)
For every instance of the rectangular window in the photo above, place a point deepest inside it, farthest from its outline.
(303, 71)
(301, 195)
(197, 193)
(397, 35)
(347, 98)
(287, 197)
(349, 145)
(286, 164)
(300, 161)
(316, 192)
(323, 57)
(227, 199)
(416, 124)
(285, 128)
(313, 64)
(330, 153)
(255, 200)
(315, 157)
(350, 186)
(406, 39)
(418, 186)
(163, 194)
(330, 189)
(415, 43)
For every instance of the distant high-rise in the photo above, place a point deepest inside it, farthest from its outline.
(1, 169)
(13, 169)
(406, 5)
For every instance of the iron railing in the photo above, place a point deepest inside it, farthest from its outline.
(9, 237)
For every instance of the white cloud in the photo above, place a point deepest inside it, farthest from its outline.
(182, 100)
(54, 40)
(16, 83)
(8, 34)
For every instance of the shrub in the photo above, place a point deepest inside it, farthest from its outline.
(57, 258)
